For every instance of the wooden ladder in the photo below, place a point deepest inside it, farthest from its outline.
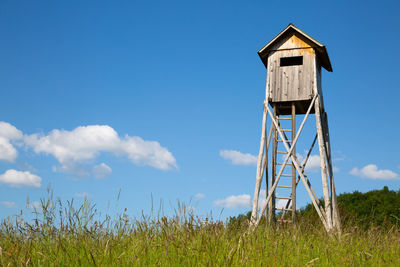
(286, 189)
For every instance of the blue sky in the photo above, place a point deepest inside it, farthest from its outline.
(99, 96)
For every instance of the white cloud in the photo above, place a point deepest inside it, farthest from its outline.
(85, 143)
(35, 205)
(17, 179)
(313, 163)
(244, 201)
(371, 171)
(199, 196)
(7, 150)
(82, 195)
(238, 158)
(281, 203)
(101, 171)
(234, 202)
(9, 204)
(8, 133)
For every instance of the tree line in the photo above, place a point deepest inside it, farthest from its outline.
(376, 208)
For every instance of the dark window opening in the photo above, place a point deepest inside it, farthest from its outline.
(291, 61)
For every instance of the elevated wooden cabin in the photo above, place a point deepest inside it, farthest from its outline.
(293, 60)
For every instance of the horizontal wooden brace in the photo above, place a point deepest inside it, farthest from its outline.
(283, 197)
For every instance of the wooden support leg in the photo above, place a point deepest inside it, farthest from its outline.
(296, 164)
(258, 176)
(271, 212)
(265, 167)
(335, 209)
(293, 197)
(322, 153)
(289, 150)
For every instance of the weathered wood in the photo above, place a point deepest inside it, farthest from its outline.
(265, 159)
(271, 211)
(280, 42)
(304, 164)
(291, 83)
(273, 186)
(335, 209)
(307, 185)
(309, 191)
(258, 177)
(295, 161)
(325, 186)
(265, 165)
(293, 60)
(293, 196)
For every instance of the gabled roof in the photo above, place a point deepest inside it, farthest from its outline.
(320, 49)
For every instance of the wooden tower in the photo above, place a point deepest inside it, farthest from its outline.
(293, 60)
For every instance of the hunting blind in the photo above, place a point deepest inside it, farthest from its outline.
(293, 60)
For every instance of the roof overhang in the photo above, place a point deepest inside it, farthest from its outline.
(320, 49)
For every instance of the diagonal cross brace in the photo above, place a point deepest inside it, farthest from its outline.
(287, 156)
(308, 182)
(294, 161)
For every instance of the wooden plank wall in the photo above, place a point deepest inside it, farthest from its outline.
(291, 83)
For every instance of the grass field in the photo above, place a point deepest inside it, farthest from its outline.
(61, 235)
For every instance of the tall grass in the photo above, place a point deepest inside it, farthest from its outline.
(61, 234)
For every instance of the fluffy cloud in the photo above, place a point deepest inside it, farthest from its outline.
(101, 171)
(371, 171)
(85, 143)
(18, 179)
(8, 133)
(238, 158)
(234, 202)
(244, 201)
(314, 163)
(199, 196)
(9, 204)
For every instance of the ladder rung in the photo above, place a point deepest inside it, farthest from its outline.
(286, 175)
(279, 118)
(278, 163)
(287, 130)
(285, 140)
(283, 197)
(281, 152)
(284, 186)
(283, 209)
